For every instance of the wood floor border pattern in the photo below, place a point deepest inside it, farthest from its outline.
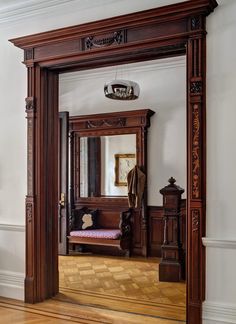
(64, 312)
(165, 312)
(30, 309)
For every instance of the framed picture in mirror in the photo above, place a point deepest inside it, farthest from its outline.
(123, 164)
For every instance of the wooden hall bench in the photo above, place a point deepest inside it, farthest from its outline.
(113, 228)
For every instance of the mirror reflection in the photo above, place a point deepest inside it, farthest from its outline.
(104, 164)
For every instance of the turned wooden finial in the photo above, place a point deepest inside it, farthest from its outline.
(171, 180)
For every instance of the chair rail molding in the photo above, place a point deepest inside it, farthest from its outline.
(219, 243)
(12, 227)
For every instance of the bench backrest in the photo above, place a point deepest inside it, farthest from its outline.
(108, 219)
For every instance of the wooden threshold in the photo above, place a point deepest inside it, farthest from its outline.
(58, 312)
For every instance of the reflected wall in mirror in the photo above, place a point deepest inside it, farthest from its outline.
(104, 164)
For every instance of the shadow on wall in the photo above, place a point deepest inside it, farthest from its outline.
(167, 147)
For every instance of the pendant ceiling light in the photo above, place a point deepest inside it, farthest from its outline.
(121, 90)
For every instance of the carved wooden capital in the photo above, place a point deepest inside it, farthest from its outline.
(29, 54)
(29, 104)
(196, 23)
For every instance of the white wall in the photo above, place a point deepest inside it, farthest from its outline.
(221, 162)
(220, 306)
(82, 93)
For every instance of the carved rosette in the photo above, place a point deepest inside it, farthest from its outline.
(196, 87)
(195, 220)
(196, 152)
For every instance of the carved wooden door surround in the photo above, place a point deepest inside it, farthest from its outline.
(162, 32)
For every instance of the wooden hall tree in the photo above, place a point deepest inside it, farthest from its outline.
(177, 29)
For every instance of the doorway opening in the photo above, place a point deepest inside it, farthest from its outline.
(100, 275)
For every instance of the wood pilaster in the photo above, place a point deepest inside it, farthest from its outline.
(30, 198)
(196, 115)
(41, 199)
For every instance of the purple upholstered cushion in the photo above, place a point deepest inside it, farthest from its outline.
(110, 234)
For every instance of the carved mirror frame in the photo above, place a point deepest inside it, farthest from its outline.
(162, 32)
(134, 122)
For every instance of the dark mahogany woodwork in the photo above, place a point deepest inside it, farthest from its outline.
(172, 265)
(94, 166)
(156, 229)
(162, 32)
(115, 123)
(63, 183)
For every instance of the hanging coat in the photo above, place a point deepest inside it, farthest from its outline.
(136, 184)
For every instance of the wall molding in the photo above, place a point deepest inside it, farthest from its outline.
(12, 284)
(24, 9)
(112, 72)
(219, 312)
(219, 243)
(12, 227)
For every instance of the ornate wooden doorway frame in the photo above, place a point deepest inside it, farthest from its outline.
(162, 32)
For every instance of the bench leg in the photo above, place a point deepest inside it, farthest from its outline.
(127, 253)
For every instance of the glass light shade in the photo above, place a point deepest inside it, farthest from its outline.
(121, 90)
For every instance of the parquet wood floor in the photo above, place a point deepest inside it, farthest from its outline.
(57, 312)
(120, 284)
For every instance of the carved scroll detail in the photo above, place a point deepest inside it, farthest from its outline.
(116, 38)
(196, 87)
(195, 220)
(106, 122)
(195, 152)
(30, 110)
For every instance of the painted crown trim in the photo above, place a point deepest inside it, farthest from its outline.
(30, 8)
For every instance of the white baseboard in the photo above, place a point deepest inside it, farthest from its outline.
(12, 284)
(218, 313)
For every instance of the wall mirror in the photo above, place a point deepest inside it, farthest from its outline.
(104, 164)
(103, 149)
